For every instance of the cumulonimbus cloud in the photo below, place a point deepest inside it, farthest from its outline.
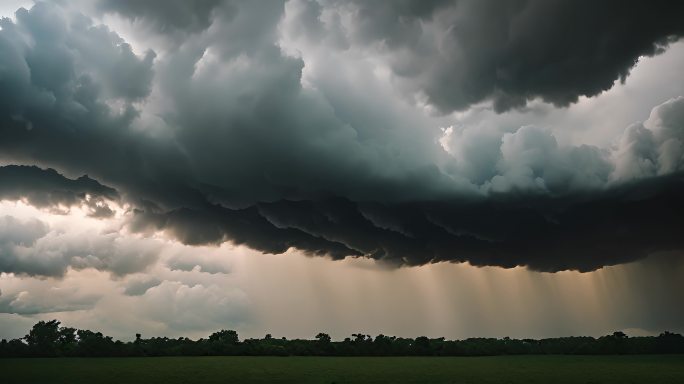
(239, 150)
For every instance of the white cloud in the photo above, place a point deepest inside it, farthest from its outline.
(33, 248)
(530, 158)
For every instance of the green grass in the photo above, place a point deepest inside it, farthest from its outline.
(499, 369)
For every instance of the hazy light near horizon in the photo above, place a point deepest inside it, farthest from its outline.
(296, 296)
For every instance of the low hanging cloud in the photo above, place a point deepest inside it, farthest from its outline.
(45, 299)
(46, 188)
(160, 308)
(138, 286)
(222, 140)
(181, 307)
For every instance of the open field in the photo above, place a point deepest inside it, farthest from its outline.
(497, 369)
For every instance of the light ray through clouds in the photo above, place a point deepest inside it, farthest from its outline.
(255, 292)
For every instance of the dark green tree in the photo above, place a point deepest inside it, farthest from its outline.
(323, 338)
(43, 337)
(225, 336)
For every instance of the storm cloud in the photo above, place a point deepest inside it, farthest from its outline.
(462, 52)
(582, 232)
(219, 138)
(48, 189)
(166, 16)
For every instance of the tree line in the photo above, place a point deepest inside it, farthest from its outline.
(50, 339)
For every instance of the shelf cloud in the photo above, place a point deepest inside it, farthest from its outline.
(227, 132)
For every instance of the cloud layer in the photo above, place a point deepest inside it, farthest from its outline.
(49, 189)
(237, 130)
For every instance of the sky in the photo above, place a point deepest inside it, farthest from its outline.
(453, 168)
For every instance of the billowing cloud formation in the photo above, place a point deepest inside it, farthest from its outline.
(167, 16)
(530, 159)
(458, 53)
(655, 147)
(137, 286)
(221, 137)
(182, 306)
(15, 232)
(33, 248)
(46, 299)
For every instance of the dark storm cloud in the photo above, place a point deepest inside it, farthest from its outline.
(215, 224)
(458, 53)
(395, 23)
(58, 48)
(166, 15)
(238, 150)
(65, 111)
(48, 189)
(582, 232)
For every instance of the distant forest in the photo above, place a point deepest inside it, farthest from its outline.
(49, 339)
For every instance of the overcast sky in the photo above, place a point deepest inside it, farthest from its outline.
(442, 168)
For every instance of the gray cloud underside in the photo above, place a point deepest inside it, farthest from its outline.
(140, 285)
(582, 232)
(49, 189)
(579, 231)
(242, 152)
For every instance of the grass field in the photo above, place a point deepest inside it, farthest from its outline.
(499, 369)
